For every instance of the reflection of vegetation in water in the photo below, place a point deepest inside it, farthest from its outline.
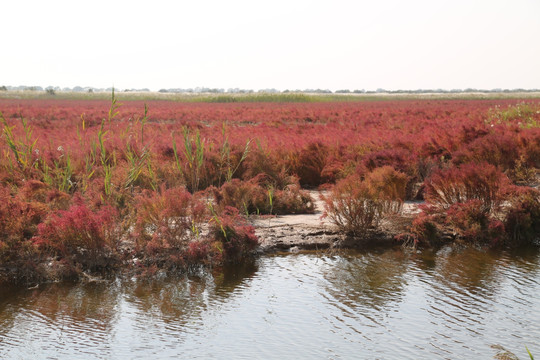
(468, 268)
(8, 311)
(379, 294)
(174, 299)
(476, 270)
(180, 299)
(229, 278)
(525, 257)
(94, 304)
(426, 260)
(370, 279)
(86, 301)
(451, 276)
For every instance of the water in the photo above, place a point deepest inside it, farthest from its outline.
(375, 304)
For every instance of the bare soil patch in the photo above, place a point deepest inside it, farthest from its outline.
(312, 232)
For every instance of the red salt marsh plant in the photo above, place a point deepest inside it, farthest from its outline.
(234, 237)
(249, 197)
(319, 150)
(18, 221)
(522, 219)
(357, 205)
(517, 223)
(21, 214)
(291, 200)
(468, 222)
(85, 239)
(166, 221)
(310, 163)
(472, 181)
(259, 197)
(498, 149)
(476, 203)
(125, 158)
(462, 203)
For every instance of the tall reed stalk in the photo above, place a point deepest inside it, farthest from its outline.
(195, 159)
(105, 159)
(227, 167)
(22, 150)
(137, 163)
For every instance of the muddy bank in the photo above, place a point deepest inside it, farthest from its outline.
(312, 231)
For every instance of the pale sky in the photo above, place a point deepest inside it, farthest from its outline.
(282, 44)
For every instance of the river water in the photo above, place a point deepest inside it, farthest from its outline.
(387, 304)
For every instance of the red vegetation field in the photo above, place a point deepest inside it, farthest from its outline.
(90, 184)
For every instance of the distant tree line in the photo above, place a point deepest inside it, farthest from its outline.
(198, 90)
(54, 89)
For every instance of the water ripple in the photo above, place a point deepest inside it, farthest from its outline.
(375, 304)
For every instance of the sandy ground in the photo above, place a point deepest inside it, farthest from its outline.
(311, 231)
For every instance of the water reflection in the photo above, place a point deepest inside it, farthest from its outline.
(449, 303)
(475, 271)
(182, 299)
(85, 313)
(471, 293)
(368, 280)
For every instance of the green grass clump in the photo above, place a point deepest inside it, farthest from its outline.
(526, 115)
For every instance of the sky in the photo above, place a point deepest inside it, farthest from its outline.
(281, 44)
